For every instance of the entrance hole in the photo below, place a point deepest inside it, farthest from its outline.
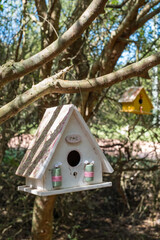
(73, 158)
(140, 101)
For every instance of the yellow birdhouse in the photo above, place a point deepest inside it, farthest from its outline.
(135, 100)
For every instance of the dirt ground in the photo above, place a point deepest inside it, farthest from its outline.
(105, 220)
(95, 215)
(89, 215)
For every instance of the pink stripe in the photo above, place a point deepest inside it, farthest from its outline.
(57, 179)
(89, 174)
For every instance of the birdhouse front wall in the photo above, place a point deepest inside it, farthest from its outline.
(136, 100)
(142, 103)
(71, 157)
(128, 107)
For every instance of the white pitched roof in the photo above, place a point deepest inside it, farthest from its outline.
(48, 135)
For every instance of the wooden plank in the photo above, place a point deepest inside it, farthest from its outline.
(62, 191)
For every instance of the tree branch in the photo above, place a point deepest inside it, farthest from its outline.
(19, 69)
(41, 8)
(146, 9)
(110, 49)
(52, 85)
(125, 23)
(51, 5)
(147, 17)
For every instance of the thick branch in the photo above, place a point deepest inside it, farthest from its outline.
(146, 9)
(125, 23)
(41, 8)
(16, 70)
(52, 85)
(51, 5)
(147, 17)
(114, 47)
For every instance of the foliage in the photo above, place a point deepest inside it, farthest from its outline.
(90, 215)
(12, 156)
(15, 208)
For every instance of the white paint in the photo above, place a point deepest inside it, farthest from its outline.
(35, 183)
(106, 166)
(64, 190)
(86, 151)
(45, 163)
(74, 135)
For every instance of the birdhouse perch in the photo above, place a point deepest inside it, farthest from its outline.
(135, 100)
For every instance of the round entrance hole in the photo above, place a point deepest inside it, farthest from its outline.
(140, 101)
(73, 158)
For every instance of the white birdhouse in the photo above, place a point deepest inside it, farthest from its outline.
(63, 156)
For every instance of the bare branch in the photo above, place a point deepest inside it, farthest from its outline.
(147, 17)
(51, 25)
(125, 23)
(41, 8)
(101, 64)
(22, 68)
(51, 6)
(146, 9)
(52, 85)
(154, 168)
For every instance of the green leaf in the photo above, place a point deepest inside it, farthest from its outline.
(1, 7)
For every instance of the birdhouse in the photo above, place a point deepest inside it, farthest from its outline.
(63, 156)
(135, 100)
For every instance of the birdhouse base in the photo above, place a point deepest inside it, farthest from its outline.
(137, 112)
(39, 192)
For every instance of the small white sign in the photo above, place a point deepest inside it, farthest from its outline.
(73, 138)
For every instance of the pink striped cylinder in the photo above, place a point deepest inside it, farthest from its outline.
(56, 177)
(89, 172)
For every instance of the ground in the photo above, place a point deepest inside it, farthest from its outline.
(95, 215)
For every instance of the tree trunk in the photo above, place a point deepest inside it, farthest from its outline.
(43, 218)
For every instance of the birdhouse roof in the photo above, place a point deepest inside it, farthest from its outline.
(46, 139)
(131, 94)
